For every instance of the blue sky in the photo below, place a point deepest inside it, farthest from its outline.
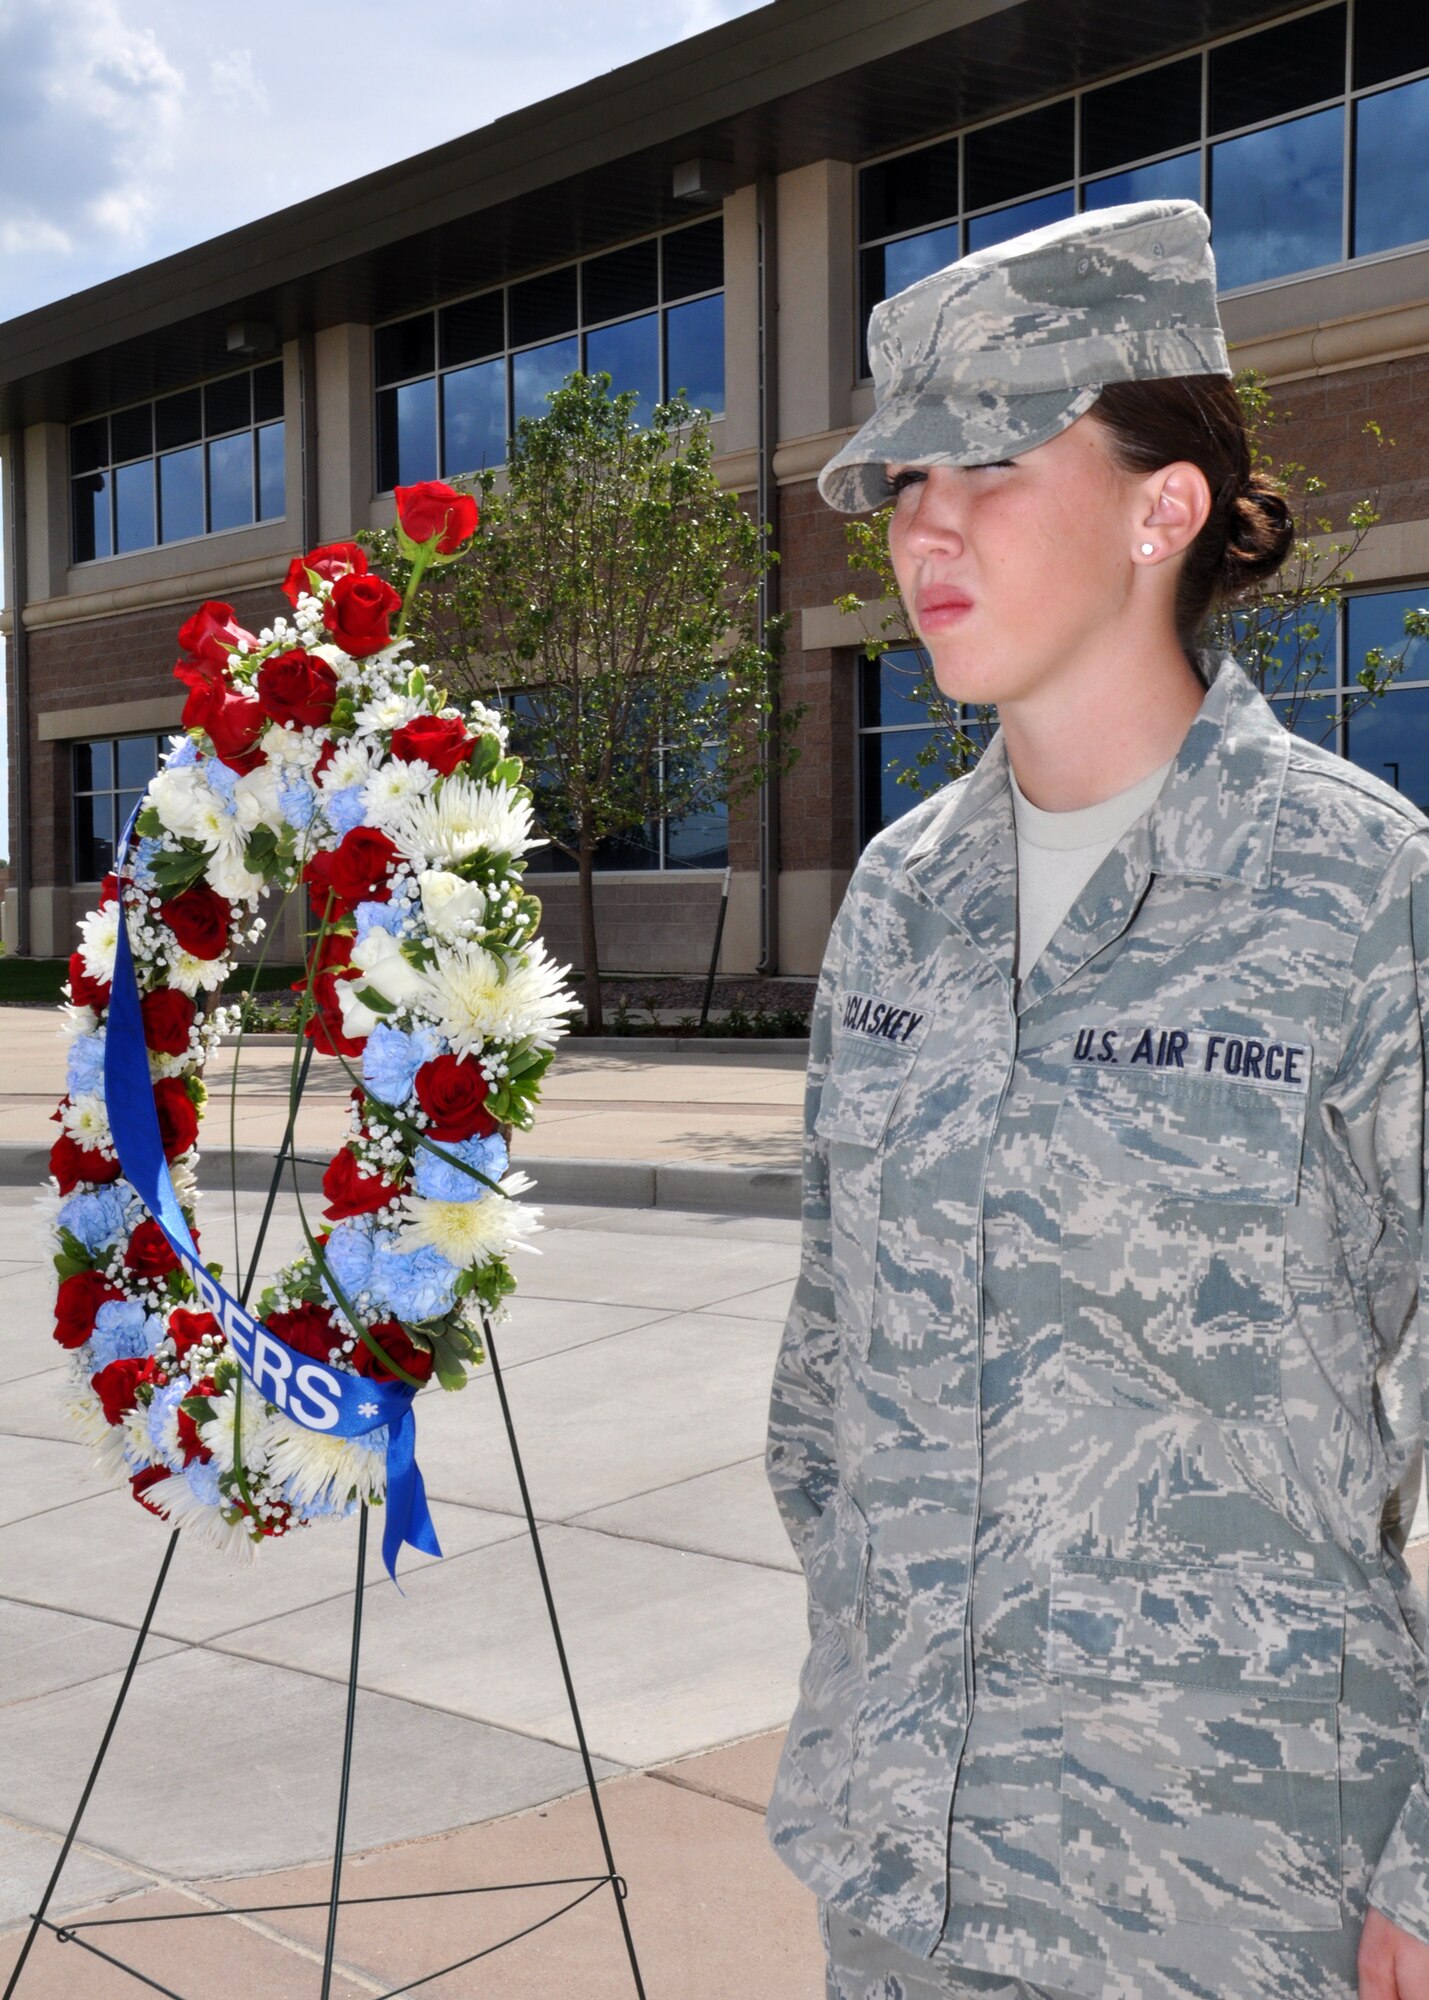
(129, 130)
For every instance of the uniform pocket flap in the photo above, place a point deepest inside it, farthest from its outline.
(1180, 1135)
(1209, 1628)
(836, 1560)
(859, 1093)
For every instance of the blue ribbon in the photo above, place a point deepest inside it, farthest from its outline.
(315, 1396)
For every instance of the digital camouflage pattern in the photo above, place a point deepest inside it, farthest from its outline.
(1000, 351)
(1098, 1418)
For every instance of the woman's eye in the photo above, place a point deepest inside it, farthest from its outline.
(895, 484)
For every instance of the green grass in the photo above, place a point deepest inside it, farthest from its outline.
(36, 982)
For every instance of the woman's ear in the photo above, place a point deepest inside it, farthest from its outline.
(1176, 502)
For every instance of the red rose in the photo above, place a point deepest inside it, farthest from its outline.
(351, 1192)
(187, 1329)
(431, 509)
(71, 1163)
(294, 687)
(358, 612)
(312, 1330)
(143, 1484)
(332, 560)
(149, 1255)
(439, 740)
(200, 919)
(212, 633)
(394, 1340)
(355, 871)
(84, 991)
(190, 1443)
(108, 891)
(324, 1028)
(233, 721)
(178, 1119)
(77, 1304)
(452, 1092)
(168, 1018)
(116, 1387)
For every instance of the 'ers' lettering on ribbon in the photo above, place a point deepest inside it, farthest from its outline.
(1265, 1059)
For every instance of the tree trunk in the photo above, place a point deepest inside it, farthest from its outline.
(594, 1016)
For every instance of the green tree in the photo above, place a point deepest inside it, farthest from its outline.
(610, 600)
(1276, 630)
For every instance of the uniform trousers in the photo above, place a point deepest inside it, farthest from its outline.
(864, 1966)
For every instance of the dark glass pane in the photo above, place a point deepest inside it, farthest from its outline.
(1282, 69)
(131, 432)
(1006, 160)
(624, 281)
(124, 806)
(178, 419)
(94, 766)
(89, 445)
(1304, 654)
(136, 762)
(888, 691)
(1277, 200)
(227, 405)
(406, 349)
(694, 352)
(540, 371)
(1143, 114)
(889, 267)
(406, 435)
(543, 306)
(134, 507)
(1392, 168)
(230, 482)
(1017, 220)
(909, 192)
(630, 354)
(1377, 619)
(639, 847)
(93, 838)
(883, 799)
(1163, 180)
(92, 532)
(272, 498)
(699, 839)
(1390, 738)
(181, 494)
(1390, 40)
(1312, 719)
(693, 259)
(473, 328)
(268, 392)
(474, 418)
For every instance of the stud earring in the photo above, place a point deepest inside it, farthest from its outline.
(1148, 548)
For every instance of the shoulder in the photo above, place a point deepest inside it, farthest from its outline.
(1333, 812)
(885, 854)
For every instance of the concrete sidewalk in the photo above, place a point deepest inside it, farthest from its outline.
(638, 1361)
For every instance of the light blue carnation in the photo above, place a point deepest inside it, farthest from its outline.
(223, 779)
(95, 1217)
(345, 809)
(185, 752)
(123, 1331)
(295, 796)
(202, 1477)
(349, 1254)
(390, 917)
(393, 1056)
(166, 1400)
(439, 1180)
(85, 1070)
(412, 1284)
(144, 855)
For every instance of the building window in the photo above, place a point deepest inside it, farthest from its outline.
(1307, 143)
(186, 465)
(109, 775)
(452, 384)
(900, 718)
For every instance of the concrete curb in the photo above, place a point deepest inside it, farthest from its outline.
(683, 1184)
(641, 1046)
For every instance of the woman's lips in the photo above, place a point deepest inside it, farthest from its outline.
(941, 608)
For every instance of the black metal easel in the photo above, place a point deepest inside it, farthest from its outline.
(587, 1885)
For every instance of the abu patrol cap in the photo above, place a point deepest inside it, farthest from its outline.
(1000, 351)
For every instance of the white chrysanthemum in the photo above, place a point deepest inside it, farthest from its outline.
(452, 907)
(86, 1413)
(77, 1022)
(351, 764)
(217, 1433)
(134, 1429)
(467, 816)
(98, 937)
(318, 1469)
(229, 873)
(201, 1521)
(387, 711)
(478, 998)
(86, 1120)
(389, 792)
(196, 975)
(471, 1232)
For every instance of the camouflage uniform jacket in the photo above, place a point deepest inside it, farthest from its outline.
(1098, 1417)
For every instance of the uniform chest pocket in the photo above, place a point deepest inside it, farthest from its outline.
(1200, 1768)
(1174, 1192)
(860, 1090)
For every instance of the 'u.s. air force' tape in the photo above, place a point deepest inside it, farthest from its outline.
(316, 1397)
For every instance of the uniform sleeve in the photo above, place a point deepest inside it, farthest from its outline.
(799, 1455)
(1375, 1108)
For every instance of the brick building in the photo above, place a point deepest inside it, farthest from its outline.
(720, 215)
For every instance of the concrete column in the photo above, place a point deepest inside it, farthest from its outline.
(345, 430)
(816, 298)
(741, 323)
(46, 510)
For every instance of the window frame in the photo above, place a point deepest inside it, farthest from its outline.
(113, 791)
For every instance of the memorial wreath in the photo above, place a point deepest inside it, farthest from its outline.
(315, 756)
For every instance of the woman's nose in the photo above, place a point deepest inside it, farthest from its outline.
(935, 516)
